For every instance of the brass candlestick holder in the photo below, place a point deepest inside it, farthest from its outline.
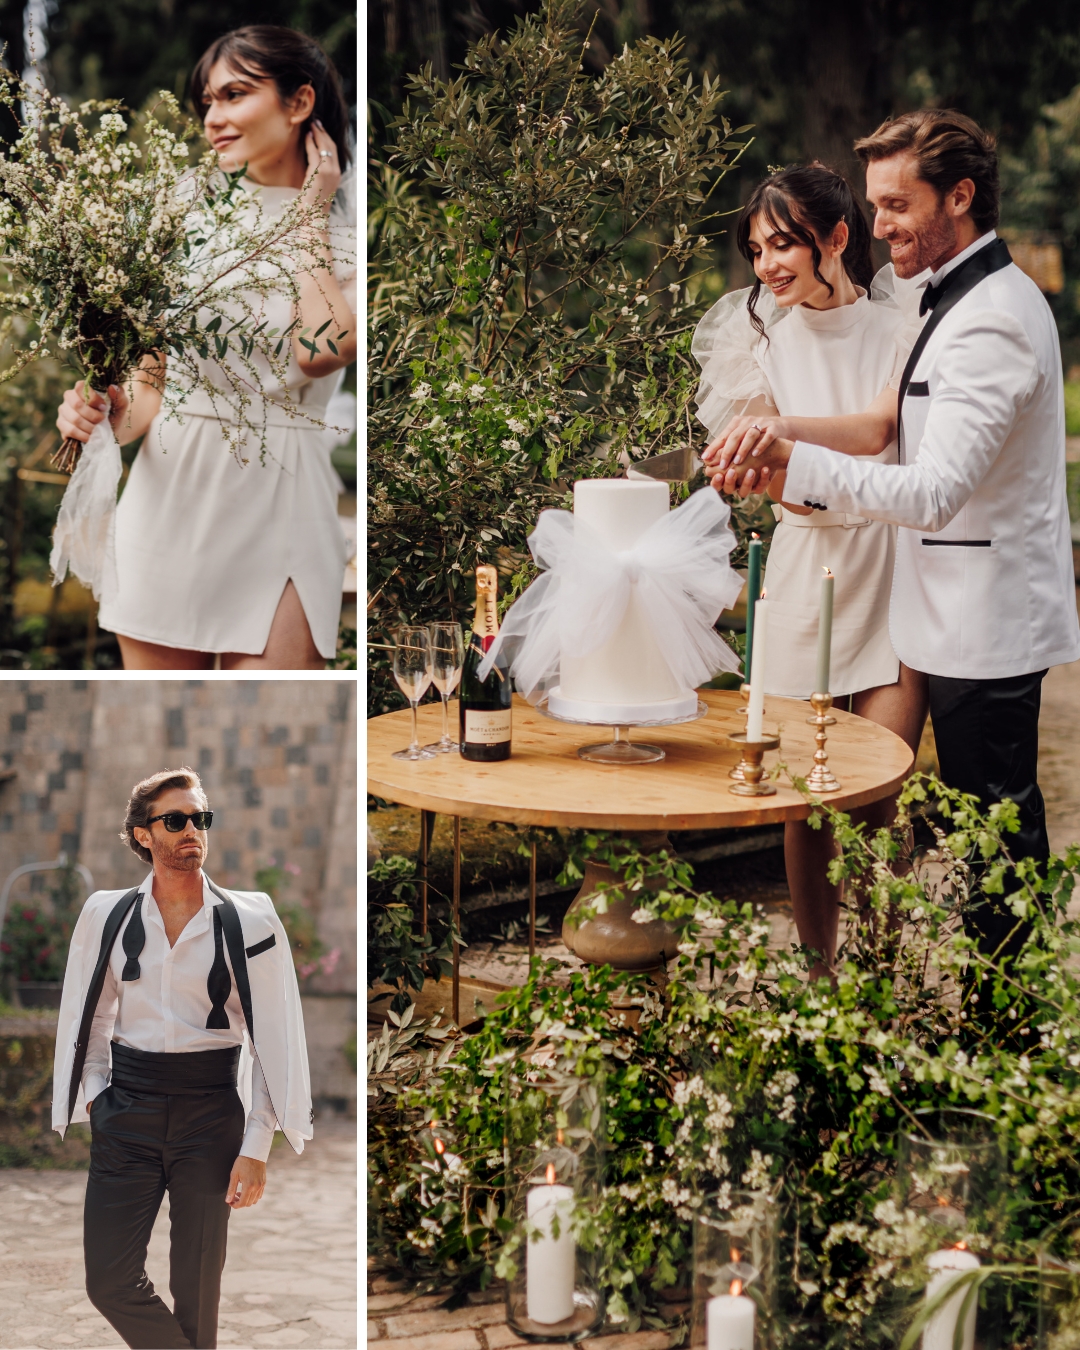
(737, 772)
(753, 770)
(821, 777)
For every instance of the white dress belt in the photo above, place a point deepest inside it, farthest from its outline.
(819, 519)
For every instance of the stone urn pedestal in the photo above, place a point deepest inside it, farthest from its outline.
(613, 938)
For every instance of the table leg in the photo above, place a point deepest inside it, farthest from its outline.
(456, 918)
(532, 903)
(427, 832)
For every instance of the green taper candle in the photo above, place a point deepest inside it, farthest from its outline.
(753, 595)
(824, 635)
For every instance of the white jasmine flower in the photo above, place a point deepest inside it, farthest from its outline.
(641, 916)
(421, 393)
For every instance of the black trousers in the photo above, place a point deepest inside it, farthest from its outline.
(144, 1143)
(987, 734)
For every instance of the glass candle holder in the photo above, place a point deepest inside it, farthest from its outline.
(554, 1138)
(951, 1175)
(734, 1270)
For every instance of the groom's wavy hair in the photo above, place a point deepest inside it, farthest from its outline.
(948, 147)
(265, 51)
(806, 203)
(145, 794)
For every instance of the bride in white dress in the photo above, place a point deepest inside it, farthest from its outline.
(218, 560)
(817, 335)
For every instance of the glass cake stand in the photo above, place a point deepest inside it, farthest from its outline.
(619, 749)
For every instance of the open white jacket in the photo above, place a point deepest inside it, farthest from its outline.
(275, 1005)
(983, 584)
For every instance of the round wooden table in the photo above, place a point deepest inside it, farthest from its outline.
(545, 783)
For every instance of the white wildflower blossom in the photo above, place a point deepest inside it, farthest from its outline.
(517, 426)
(421, 393)
(642, 916)
(510, 444)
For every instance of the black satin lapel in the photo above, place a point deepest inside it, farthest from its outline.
(133, 941)
(97, 981)
(218, 982)
(955, 286)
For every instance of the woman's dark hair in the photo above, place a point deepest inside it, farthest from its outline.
(290, 59)
(807, 202)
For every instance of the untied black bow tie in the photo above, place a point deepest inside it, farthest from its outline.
(218, 983)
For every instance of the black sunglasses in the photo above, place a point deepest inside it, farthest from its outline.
(175, 821)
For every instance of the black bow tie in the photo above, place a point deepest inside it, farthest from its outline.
(133, 943)
(931, 295)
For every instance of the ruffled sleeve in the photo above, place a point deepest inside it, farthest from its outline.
(905, 295)
(727, 347)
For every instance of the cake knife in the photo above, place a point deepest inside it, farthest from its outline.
(677, 466)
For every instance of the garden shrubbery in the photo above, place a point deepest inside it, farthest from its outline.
(537, 242)
(755, 1078)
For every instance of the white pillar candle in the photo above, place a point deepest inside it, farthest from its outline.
(729, 1319)
(941, 1329)
(550, 1262)
(757, 673)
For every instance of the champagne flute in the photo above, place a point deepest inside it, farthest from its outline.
(412, 670)
(447, 659)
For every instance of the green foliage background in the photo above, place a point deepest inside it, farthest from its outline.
(536, 251)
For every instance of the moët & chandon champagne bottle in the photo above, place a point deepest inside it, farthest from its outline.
(485, 704)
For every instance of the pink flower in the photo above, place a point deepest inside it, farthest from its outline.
(330, 960)
(292, 869)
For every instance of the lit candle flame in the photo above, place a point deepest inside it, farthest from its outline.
(736, 1288)
(960, 1247)
(942, 1200)
(764, 592)
(827, 571)
(551, 1174)
(754, 535)
(440, 1147)
(558, 1136)
(734, 1254)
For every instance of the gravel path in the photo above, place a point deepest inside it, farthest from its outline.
(290, 1277)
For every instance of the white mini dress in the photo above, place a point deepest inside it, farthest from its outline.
(815, 363)
(205, 545)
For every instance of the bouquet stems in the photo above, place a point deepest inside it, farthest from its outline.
(65, 459)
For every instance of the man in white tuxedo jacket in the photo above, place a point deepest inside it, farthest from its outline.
(181, 1040)
(983, 597)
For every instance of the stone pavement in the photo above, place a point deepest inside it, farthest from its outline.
(398, 1320)
(290, 1276)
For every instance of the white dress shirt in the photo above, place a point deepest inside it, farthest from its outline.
(983, 585)
(165, 1009)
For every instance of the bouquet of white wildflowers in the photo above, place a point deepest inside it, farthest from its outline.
(117, 253)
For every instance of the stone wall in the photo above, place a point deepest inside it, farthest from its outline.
(277, 759)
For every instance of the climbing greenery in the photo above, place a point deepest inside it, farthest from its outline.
(742, 1074)
(535, 238)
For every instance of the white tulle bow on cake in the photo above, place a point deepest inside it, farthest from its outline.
(678, 568)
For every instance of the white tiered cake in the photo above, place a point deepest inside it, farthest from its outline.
(626, 681)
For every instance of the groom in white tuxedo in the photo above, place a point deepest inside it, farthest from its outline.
(983, 596)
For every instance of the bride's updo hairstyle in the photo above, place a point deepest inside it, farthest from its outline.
(806, 203)
(263, 51)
